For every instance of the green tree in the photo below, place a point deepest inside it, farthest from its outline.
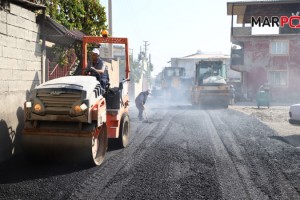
(135, 70)
(87, 16)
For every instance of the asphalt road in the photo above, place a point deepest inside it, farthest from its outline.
(180, 153)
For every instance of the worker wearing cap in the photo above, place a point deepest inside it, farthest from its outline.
(98, 65)
(140, 101)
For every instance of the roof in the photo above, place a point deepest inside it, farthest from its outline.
(245, 9)
(206, 56)
(57, 33)
(29, 5)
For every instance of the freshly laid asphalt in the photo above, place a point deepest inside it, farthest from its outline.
(181, 152)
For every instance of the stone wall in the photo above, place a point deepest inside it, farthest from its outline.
(20, 71)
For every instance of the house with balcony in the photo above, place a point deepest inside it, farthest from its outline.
(266, 57)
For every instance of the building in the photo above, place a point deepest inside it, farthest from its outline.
(189, 63)
(265, 58)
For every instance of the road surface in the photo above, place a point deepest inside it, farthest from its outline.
(180, 153)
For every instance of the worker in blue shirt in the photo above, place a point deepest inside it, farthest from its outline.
(98, 65)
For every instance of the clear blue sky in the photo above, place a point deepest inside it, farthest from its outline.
(174, 28)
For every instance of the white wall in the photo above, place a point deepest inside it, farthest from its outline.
(188, 64)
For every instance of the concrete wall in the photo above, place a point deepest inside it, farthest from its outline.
(20, 71)
(136, 87)
(113, 71)
(134, 90)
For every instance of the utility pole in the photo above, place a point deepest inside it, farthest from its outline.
(146, 62)
(149, 67)
(146, 45)
(146, 59)
(110, 17)
(110, 48)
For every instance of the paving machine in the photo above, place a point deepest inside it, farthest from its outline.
(75, 114)
(210, 87)
(174, 83)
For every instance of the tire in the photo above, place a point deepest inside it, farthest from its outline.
(124, 132)
(99, 145)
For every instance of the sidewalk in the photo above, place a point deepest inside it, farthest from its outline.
(272, 103)
(276, 117)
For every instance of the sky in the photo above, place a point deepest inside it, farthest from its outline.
(173, 28)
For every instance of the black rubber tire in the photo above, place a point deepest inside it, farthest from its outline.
(124, 132)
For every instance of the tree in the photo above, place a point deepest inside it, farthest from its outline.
(136, 73)
(135, 70)
(87, 16)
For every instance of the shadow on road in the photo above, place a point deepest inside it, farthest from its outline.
(20, 169)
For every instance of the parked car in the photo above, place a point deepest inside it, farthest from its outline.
(294, 114)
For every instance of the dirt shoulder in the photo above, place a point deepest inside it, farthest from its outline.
(276, 117)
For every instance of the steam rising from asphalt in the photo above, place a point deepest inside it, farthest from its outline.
(174, 99)
(170, 97)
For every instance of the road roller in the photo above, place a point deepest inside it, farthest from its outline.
(74, 116)
(210, 86)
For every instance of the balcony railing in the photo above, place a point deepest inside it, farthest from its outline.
(57, 71)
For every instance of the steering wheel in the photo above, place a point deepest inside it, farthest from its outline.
(92, 72)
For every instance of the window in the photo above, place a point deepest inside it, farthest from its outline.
(278, 78)
(280, 47)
